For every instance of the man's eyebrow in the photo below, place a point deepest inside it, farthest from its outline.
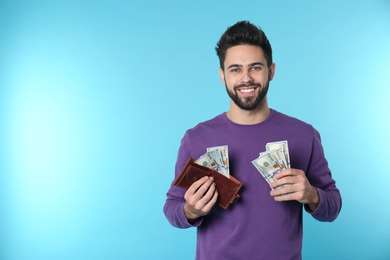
(235, 66)
(258, 63)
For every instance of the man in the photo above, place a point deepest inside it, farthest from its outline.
(264, 223)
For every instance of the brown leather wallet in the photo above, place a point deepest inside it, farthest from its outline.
(227, 188)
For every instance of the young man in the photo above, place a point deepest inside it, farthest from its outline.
(264, 223)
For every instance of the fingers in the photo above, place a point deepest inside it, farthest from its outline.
(209, 205)
(286, 185)
(288, 172)
(292, 184)
(200, 185)
(203, 194)
(200, 197)
(288, 176)
(285, 193)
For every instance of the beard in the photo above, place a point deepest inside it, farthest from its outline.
(248, 103)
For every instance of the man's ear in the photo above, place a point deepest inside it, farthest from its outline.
(222, 76)
(271, 71)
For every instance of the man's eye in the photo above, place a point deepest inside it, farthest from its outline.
(235, 70)
(256, 68)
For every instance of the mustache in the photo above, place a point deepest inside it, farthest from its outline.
(247, 85)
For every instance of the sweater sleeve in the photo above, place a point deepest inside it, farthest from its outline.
(319, 175)
(174, 204)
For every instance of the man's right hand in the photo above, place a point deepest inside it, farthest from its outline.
(200, 198)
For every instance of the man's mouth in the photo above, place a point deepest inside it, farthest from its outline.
(246, 90)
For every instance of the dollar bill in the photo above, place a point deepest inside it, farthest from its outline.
(275, 159)
(280, 145)
(267, 165)
(221, 155)
(206, 161)
(280, 157)
(216, 158)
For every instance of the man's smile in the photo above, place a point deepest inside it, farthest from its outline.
(247, 90)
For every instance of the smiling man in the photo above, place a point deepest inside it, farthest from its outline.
(266, 221)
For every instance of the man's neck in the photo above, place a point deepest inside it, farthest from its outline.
(248, 117)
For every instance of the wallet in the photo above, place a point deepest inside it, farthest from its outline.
(227, 188)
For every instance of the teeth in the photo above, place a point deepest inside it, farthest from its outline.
(247, 90)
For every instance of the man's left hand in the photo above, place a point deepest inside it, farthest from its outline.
(300, 189)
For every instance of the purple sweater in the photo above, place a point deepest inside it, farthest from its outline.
(255, 226)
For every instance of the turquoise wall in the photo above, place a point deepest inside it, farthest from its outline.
(96, 95)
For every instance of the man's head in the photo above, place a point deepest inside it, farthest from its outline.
(242, 33)
(246, 65)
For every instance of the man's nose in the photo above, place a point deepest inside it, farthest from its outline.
(247, 77)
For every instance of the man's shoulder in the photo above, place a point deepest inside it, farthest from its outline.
(291, 120)
(204, 134)
(214, 122)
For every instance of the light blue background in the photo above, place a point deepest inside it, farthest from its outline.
(96, 95)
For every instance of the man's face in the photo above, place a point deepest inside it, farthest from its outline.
(246, 76)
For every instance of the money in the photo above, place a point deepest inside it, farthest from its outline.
(221, 155)
(268, 166)
(206, 161)
(275, 159)
(216, 158)
(280, 145)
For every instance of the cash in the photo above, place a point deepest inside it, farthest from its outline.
(283, 145)
(275, 159)
(216, 158)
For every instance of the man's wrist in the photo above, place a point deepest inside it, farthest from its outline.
(191, 218)
(315, 200)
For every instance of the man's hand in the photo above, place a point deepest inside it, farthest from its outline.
(300, 188)
(200, 198)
